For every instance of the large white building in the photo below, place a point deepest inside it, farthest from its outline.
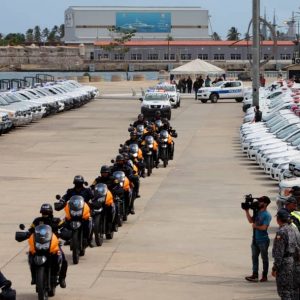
(89, 24)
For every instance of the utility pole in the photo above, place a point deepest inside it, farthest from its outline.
(256, 51)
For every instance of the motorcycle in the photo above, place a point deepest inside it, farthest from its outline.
(43, 243)
(163, 147)
(101, 224)
(77, 212)
(119, 194)
(148, 154)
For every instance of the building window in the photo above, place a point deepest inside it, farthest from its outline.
(285, 56)
(219, 57)
(103, 56)
(203, 56)
(152, 56)
(185, 56)
(235, 56)
(119, 56)
(136, 56)
(172, 56)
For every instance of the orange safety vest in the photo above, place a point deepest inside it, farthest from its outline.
(109, 200)
(170, 140)
(126, 186)
(86, 212)
(140, 154)
(54, 245)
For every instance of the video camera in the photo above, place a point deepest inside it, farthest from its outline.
(250, 203)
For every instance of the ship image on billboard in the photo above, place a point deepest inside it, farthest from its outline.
(153, 22)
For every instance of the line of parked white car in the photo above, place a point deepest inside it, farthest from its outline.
(23, 106)
(274, 143)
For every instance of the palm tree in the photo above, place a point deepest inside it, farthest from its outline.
(169, 38)
(233, 34)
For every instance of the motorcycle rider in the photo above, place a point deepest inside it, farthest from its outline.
(137, 158)
(78, 190)
(5, 285)
(157, 116)
(133, 138)
(105, 177)
(87, 195)
(56, 224)
(140, 121)
(144, 148)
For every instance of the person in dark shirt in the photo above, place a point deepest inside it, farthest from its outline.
(258, 115)
(189, 84)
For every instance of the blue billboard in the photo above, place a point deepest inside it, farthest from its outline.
(152, 22)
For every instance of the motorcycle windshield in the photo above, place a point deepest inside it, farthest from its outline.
(43, 234)
(119, 176)
(76, 204)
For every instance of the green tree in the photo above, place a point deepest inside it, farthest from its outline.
(13, 39)
(45, 35)
(29, 36)
(215, 37)
(61, 31)
(119, 39)
(233, 34)
(37, 34)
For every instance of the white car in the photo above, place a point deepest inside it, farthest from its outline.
(171, 90)
(156, 101)
(222, 90)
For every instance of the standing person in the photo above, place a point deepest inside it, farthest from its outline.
(207, 81)
(262, 80)
(285, 252)
(260, 240)
(258, 115)
(196, 87)
(180, 85)
(183, 82)
(189, 84)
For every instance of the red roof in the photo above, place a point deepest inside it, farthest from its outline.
(194, 43)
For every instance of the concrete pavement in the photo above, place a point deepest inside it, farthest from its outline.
(189, 238)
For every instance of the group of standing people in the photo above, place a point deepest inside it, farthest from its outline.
(286, 246)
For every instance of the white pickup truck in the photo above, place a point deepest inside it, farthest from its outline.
(222, 90)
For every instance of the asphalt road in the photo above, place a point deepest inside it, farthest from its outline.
(189, 238)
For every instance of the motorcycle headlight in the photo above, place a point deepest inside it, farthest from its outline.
(40, 246)
(134, 155)
(121, 184)
(150, 146)
(165, 140)
(76, 213)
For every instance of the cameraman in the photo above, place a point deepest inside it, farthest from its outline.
(260, 242)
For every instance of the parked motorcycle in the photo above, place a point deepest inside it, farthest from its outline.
(42, 258)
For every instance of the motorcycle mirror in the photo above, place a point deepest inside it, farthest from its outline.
(85, 183)
(57, 197)
(130, 125)
(112, 161)
(22, 226)
(121, 145)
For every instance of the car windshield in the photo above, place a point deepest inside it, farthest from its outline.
(155, 97)
(9, 99)
(294, 137)
(287, 131)
(2, 102)
(278, 125)
(168, 88)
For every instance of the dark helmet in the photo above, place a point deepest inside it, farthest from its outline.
(119, 159)
(140, 129)
(104, 169)
(78, 180)
(164, 134)
(133, 134)
(140, 117)
(100, 190)
(125, 149)
(46, 209)
(157, 113)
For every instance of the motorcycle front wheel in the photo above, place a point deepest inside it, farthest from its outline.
(75, 247)
(41, 283)
(98, 230)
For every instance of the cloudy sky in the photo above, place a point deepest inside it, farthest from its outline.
(19, 15)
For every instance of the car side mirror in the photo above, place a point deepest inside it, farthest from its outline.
(141, 99)
(57, 197)
(22, 226)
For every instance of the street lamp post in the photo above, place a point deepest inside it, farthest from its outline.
(255, 51)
